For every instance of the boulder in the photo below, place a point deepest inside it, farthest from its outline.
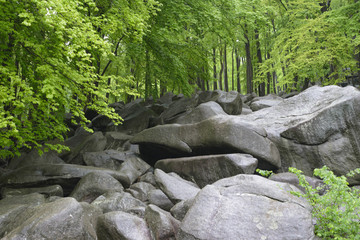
(291, 178)
(205, 170)
(219, 134)
(66, 175)
(159, 198)
(175, 189)
(132, 169)
(80, 143)
(27, 199)
(140, 190)
(247, 207)
(111, 159)
(100, 122)
(230, 101)
(200, 113)
(180, 209)
(136, 118)
(63, 219)
(93, 185)
(54, 190)
(8, 214)
(116, 201)
(265, 102)
(175, 110)
(314, 128)
(121, 225)
(148, 177)
(162, 225)
(116, 140)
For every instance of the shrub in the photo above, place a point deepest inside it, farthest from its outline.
(337, 212)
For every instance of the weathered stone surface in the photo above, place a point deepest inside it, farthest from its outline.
(136, 118)
(229, 101)
(133, 168)
(116, 201)
(93, 185)
(162, 225)
(121, 225)
(174, 188)
(63, 219)
(141, 190)
(83, 142)
(116, 140)
(28, 199)
(66, 175)
(314, 128)
(8, 215)
(158, 198)
(54, 190)
(180, 209)
(148, 177)
(111, 159)
(247, 206)
(208, 169)
(100, 122)
(175, 110)
(219, 134)
(265, 102)
(33, 157)
(291, 178)
(200, 113)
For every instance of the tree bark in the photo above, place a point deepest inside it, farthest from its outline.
(221, 69)
(258, 54)
(226, 79)
(249, 69)
(232, 69)
(238, 83)
(215, 75)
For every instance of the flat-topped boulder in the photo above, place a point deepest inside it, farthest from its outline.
(317, 127)
(219, 134)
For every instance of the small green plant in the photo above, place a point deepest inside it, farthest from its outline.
(337, 212)
(264, 173)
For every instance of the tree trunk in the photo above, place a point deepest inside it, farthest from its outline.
(232, 69)
(249, 69)
(147, 75)
(237, 70)
(258, 54)
(215, 75)
(226, 79)
(221, 69)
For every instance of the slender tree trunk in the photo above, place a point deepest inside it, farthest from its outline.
(221, 69)
(249, 69)
(232, 69)
(226, 79)
(147, 76)
(258, 54)
(215, 75)
(238, 70)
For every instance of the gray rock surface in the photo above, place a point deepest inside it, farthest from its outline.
(219, 134)
(63, 219)
(247, 207)
(140, 190)
(314, 128)
(116, 201)
(205, 170)
(111, 159)
(175, 189)
(133, 167)
(93, 185)
(66, 175)
(265, 102)
(159, 198)
(162, 225)
(121, 225)
(54, 190)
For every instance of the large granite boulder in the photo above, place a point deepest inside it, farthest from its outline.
(247, 207)
(265, 102)
(219, 134)
(205, 170)
(53, 190)
(176, 189)
(66, 175)
(230, 101)
(93, 185)
(121, 225)
(317, 127)
(200, 113)
(64, 218)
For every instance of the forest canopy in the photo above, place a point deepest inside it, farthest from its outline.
(66, 56)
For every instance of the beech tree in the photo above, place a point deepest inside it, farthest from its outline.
(51, 64)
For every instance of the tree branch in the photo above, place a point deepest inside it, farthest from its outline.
(115, 53)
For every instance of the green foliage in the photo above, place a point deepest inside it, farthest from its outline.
(51, 55)
(264, 173)
(337, 212)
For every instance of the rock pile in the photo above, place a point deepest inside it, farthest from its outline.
(183, 168)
